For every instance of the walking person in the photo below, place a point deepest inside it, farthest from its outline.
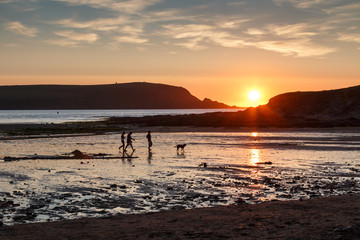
(148, 136)
(129, 140)
(122, 142)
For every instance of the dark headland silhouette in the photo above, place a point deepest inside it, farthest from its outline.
(113, 96)
(332, 108)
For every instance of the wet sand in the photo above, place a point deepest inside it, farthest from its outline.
(323, 218)
(317, 218)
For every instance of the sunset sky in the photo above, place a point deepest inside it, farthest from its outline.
(219, 49)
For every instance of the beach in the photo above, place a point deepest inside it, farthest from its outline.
(322, 218)
(228, 183)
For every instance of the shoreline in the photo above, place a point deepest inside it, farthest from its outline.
(335, 217)
(26, 131)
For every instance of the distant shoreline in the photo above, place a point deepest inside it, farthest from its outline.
(27, 131)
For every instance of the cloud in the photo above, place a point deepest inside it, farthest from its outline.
(289, 40)
(299, 48)
(102, 24)
(130, 39)
(62, 42)
(236, 4)
(19, 28)
(349, 37)
(130, 6)
(254, 31)
(7, 1)
(195, 36)
(291, 31)
(345, 8)
(302, 3)
(71, 38)
(233, 24)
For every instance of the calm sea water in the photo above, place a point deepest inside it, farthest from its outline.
(61, 116)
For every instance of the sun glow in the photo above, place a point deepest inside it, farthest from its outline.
(254, 95)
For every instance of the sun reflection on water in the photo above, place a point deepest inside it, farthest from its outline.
(254, 134)
(254, 156)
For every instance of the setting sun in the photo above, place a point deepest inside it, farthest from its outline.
(254, 95)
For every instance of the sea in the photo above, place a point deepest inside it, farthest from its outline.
(217, 167)
(62, 116)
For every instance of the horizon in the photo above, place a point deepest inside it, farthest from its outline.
(231, 106)
(220, 51)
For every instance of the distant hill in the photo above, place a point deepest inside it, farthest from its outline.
(332, 104)
(331, 108)
(340, 107)
(115, 96)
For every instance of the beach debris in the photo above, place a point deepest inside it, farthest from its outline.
(268, 163)
(240, 201)
(204, 164)
(76, 154)
(348, 231)
(79, 155)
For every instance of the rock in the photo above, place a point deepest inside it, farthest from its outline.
(203, 165)
(240, 201)
(77, 154)
(113, 185)
(350, 231)
(269, 163)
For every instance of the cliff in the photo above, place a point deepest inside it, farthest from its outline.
(333, 108)
(332, 104)
(114, 96)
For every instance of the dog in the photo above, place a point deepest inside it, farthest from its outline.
(180, 146)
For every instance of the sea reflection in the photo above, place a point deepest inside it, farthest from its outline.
(150, 155)
(254, 156)
(254, 134)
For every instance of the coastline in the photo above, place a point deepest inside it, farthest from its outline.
(20, 131)
(321, 218)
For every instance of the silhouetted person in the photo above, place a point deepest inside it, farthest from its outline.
(148, 136)
(122, 142)
(129, 140)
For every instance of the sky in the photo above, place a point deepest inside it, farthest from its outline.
(218, 49)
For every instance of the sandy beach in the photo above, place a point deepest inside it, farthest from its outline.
(323, 218)
(167, 195)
